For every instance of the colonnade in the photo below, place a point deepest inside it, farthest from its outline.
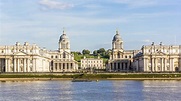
(159, 66)
(20, 65)
(65, 66)
(120, 66)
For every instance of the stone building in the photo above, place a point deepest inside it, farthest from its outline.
(158, 58)
(88, 63)
(120, 59)
(24, 58)
(31, 58)
(62, 60)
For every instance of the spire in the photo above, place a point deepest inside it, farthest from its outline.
(64, 30)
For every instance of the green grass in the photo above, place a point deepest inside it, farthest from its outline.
(91, 76)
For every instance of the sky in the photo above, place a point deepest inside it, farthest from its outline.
(90, 24)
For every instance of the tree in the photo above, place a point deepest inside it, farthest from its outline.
(95, 53)
(101, 50)
(84, 52)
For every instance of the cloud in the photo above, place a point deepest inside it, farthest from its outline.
(137, 3)
(51, 4)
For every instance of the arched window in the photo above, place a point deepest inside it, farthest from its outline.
(118, 54)
(64, 55)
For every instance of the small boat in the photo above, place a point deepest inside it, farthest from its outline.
(81, 80)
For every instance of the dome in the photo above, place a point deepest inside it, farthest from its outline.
(117, 36)
(63, 37)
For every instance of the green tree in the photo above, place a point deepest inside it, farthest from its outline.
(95, 53)
(101, 50)
(85, 51)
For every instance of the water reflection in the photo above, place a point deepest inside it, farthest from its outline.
(162, 90)
(128, 90)
(90, 91)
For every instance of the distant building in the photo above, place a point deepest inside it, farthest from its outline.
(158, 58)
(88, 63)
(24, 58)
(62, 60)
(120, 59)
(31, 58)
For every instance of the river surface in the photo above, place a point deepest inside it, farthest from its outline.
(120, 90)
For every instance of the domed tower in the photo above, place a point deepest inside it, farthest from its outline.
(117, 43)
(64, 43)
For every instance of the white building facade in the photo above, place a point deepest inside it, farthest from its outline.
(120, 59)
(31, 58)
(158, 58)
(62, 60)
(92, 63)
(23, 58)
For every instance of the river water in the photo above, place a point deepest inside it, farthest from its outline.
(118, 90)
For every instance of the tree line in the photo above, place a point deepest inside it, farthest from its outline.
(102, 53)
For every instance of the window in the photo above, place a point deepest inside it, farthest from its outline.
(130, 56)
(64, 55)
(126, 56)
(52, 56)
(56, 56)
(118, 55)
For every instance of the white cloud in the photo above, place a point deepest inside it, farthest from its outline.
(51, 4)
(137, 3)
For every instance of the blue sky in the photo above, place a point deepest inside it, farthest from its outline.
(90, 24)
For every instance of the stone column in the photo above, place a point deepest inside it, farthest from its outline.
(65, 66)
(144, 64)
(57, 66)
(18, 66)
(116, 66)
(156, 68)
(33, 65)
(128, 66)
(123, 66)
(120, 66)
(152, 65)
(165, 64)
(9, 63)
(6, 65)
(24, 64)
(70, 66)
(112, 66)
(28, 66)
(53, 66)
(172, 65)
(61, 66)
(162, 68)
(14, 64)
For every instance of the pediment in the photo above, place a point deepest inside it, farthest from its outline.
(21, 53)
(160, 53)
